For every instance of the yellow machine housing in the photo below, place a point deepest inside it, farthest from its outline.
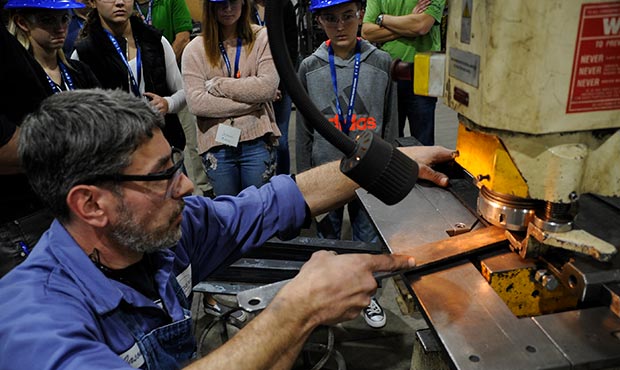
(552, 100)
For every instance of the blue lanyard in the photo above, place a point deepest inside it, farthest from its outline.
(149, 17)
(227, 61)
(260, 21)
(66, 77)
(134, 85)
(346, 123)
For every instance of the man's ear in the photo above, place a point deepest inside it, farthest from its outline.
(91, 204)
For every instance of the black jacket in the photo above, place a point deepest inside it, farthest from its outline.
(25, 84)
(96, 50)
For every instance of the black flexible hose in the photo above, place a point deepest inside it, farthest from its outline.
(370, 161)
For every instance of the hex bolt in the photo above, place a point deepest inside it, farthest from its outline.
(546, 279)
(550, 282)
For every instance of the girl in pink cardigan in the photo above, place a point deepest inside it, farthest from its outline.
(230, 81)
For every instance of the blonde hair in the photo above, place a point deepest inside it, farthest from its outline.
(22, 36)
(212, 34)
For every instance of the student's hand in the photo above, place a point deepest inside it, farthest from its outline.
(158, 102)
(421, 6)
(427, 156)
(333, 288)
(278, 95)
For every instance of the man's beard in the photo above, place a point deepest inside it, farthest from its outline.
(135, 236)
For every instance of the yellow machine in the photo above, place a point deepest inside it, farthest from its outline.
(537, 88)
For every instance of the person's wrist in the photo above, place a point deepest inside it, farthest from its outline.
(290, 304)
(379, 20)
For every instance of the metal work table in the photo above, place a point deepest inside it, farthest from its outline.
(471, 322)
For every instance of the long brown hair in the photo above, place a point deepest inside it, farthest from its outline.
(212, 33)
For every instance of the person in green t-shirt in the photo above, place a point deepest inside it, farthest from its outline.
(171, 17)
(405, 27)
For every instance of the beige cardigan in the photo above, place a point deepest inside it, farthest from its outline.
(216, 98)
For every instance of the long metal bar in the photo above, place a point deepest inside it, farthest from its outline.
(431, 255)
(446, 251)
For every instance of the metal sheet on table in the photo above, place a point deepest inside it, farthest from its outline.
(422, 217)
(475, 326)
(587, 337)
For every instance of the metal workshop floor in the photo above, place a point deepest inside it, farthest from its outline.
(360, 346)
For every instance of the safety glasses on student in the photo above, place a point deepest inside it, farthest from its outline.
(227, 3)
(333, 20)
(51, 20)
(172, 174)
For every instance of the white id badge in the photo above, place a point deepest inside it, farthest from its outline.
(227, 135)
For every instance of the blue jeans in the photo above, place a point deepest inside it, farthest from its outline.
(361, 227)
(420, 110)
(282, 109)
(231, 169)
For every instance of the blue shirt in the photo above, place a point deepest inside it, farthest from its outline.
(56, 308)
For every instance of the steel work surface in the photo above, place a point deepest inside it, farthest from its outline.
(473, 324)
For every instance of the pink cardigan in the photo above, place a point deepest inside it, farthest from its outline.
(216, 98)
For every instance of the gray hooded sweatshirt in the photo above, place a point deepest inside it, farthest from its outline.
(375, 104)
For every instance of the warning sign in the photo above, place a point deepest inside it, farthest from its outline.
(595, 81)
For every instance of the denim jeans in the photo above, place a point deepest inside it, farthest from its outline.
(361, 227)
(18, 237)
(282, 109)
(231, 169)
(420, 110)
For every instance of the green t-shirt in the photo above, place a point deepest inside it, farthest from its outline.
(405, 48)
(169, 16)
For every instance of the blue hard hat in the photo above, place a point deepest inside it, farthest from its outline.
(320, 4)
(43, 4)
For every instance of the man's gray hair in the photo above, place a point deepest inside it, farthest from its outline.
(77, 135)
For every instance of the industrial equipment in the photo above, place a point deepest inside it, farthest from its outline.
(537, 89)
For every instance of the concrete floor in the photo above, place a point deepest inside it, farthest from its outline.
(362, 347)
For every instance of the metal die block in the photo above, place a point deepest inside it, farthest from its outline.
(514, 281)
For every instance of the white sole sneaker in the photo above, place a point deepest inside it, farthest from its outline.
(374, 314)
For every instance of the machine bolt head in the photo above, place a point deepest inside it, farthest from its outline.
(550, 282)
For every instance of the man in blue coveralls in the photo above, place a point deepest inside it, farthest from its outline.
(103, 289)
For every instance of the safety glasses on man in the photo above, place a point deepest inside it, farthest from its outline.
(172, 174)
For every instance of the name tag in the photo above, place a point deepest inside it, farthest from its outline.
(228, 135)
(185, 280)
(133, 356)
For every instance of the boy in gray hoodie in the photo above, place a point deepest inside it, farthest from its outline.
(348, 79)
